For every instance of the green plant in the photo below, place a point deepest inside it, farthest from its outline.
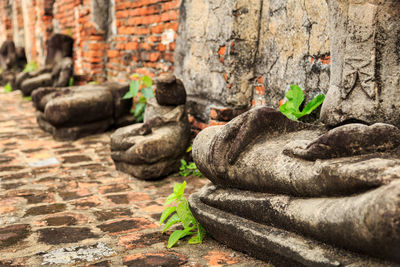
(189, 169)
(69, 32)
(295, 96)
(181, 213)
(8, 88)
(71, 81)
(144, 85)
(27, 98)
(31, 66)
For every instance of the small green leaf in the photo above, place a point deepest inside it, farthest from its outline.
(71, 81)
(313, 104)
(128, 95)
(189, 148)
(135, 76)
(134, 87)
(175, 236)
(147, 81)
(31, 66)
(168, 211)
(147, 92)
(185, 214)
(139, 109)
(142, 99)
(172, 197)
(27, 98)
(173, 220)
(198, 238)
(8, 88)
(179, 189)
(140, 118)
(295, 96)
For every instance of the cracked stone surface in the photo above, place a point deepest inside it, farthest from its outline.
(64, 204)
(223, 50)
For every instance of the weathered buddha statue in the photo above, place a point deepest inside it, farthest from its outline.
(58, 67)
(298, 194)
(154, 148)
(12, 61)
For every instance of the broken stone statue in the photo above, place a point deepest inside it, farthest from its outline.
(153, 149)
(12, 61)
(297, 194)
(69, 113)
(58, 67)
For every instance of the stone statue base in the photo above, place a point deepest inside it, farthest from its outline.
(221, 212)
(69, 113)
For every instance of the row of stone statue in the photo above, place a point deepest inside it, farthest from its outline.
(146, 150)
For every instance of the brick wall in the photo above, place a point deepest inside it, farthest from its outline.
(5, 21)
(112, 39)
(145, 38)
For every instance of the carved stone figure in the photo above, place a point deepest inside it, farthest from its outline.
(153, 149)
(57, 71)
(12, 61)
(365, 70)
(315, 195)
(69, 113)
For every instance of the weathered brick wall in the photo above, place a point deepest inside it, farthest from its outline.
(75, 18)
(234, 55)
(112, 39)
(5, 21)
(145, 38)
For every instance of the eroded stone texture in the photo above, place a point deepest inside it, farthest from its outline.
(293, 39)
(224, 49)
(153, 149)
(58, 68)
(60, 109)
(338, 186)
(365, 63)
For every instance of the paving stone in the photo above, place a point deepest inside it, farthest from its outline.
(77, 253)
(45, 209)
(140, 240)
(105, 215)
(75, 159)
(161, 258)
(55, 236)
(62, 220)
(127, 225)
(11, 235)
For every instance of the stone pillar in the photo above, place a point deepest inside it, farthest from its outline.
(365, 70)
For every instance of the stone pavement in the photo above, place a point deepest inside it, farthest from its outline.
(64, 204)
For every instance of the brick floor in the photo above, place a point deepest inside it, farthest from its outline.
(63, 203)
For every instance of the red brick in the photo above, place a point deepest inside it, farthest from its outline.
(131, 46)
(112, 53)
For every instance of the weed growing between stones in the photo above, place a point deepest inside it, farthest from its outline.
(189, 169)
(295, 96)
(71, 81)
(8, 88)
(181, 213)
(144, 85)
(31, 66)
